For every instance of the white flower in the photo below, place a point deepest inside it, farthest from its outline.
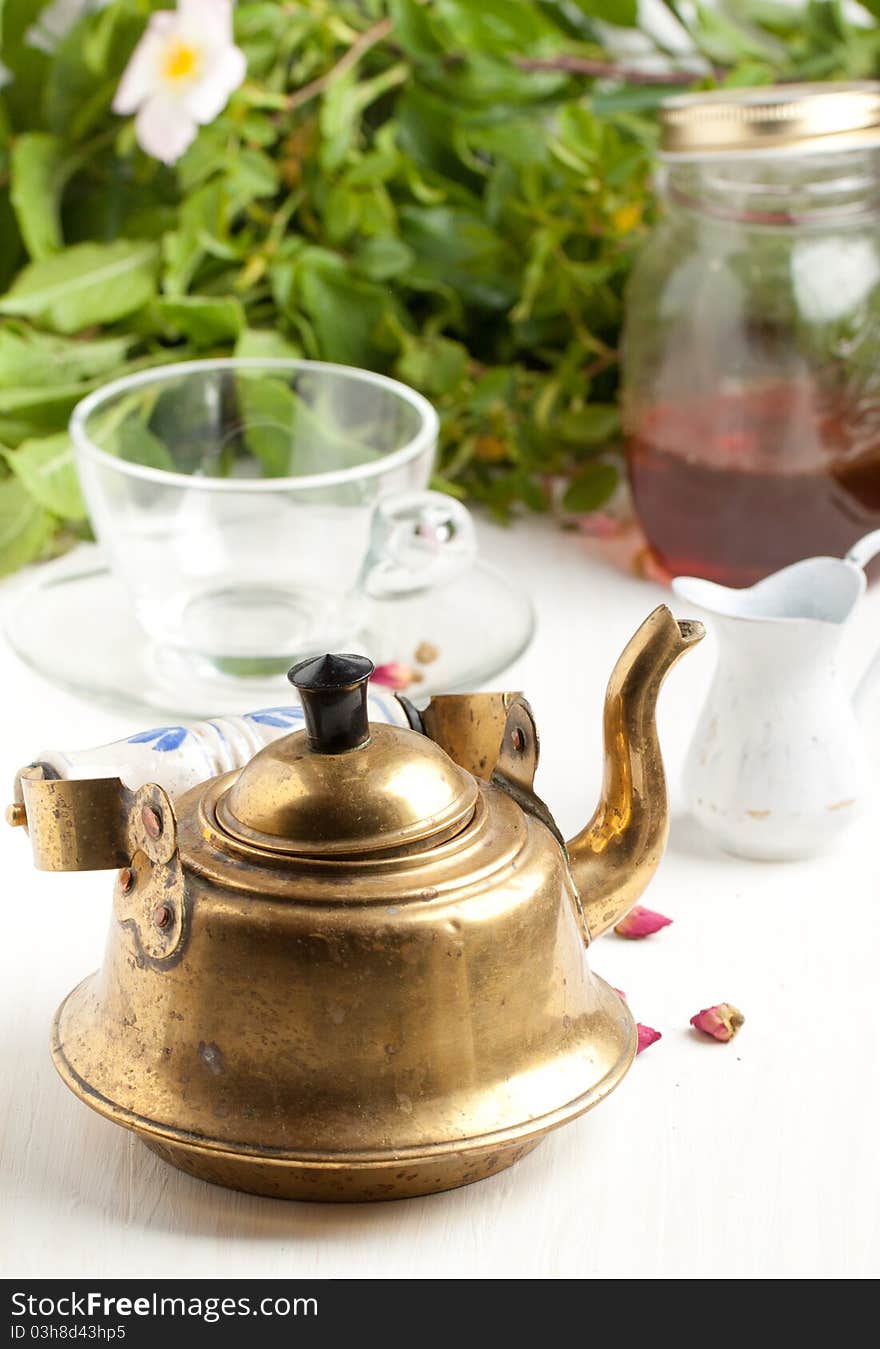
(180, 75)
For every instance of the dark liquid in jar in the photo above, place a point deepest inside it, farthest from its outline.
(734, 487)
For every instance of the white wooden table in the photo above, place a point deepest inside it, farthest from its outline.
(757, 1158)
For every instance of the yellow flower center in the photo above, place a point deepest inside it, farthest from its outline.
(180, 62)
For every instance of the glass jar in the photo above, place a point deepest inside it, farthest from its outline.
(751, 398)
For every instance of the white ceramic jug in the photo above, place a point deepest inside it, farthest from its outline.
(778, 765)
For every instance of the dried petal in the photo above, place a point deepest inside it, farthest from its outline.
(601, 525)
(647, 1036)
(620, 993)
(720, 1022)
(395, 674)
(426, 652)
(641, 922)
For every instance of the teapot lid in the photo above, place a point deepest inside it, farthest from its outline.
(342, 787)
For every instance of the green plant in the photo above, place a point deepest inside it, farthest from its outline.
(448, 191)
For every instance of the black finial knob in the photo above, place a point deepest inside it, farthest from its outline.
(333, 690)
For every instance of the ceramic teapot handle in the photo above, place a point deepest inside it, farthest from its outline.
(93, 789)
(419, 540)
(180, 757)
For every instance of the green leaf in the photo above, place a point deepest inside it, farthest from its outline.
(46, 468)
(28, 65)
(458, 248)
(250, 174)
(342, 211)
(631, 98)
(204, 218)
(344, 310)
(47, 406)
(291, 436)
(488, 79)
(265, 344)
(344, 104)
(724, 38)
(495, 26)
(412, 28)
(259, 129)
(494, 390)
(423, 123)
(436, 365)
(749, 74)
(85, 284)
(10, 242)
(578, 138)
(206, 320)
(591, 488)
(37, 178)
(25, 526)
(592, 425)
(512, 142)
(269, 409)
(73, 99)
(35, 359)
(86, 65)
(136, 443)
(13, 430)
(383, 258)
(624, 13)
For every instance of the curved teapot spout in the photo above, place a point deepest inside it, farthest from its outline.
(615, 856)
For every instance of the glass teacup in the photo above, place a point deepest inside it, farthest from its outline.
(251, 508)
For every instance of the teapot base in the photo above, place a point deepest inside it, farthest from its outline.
(349, 1177)
(338, 1183)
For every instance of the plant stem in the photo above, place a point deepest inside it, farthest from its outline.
(584, 65)
(369, 39)
(601, 363)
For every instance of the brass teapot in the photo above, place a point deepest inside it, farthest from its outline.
(355, 968)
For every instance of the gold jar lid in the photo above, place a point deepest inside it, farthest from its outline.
(808, 118)
(343, 788)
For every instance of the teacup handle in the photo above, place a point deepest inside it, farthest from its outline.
(419, 540)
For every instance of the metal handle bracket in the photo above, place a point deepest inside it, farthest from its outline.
(93, 824)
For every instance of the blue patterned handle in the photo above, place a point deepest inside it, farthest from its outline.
(180, 757)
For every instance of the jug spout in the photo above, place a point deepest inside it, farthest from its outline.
(615, 856)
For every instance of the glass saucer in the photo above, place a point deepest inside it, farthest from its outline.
(74, 625)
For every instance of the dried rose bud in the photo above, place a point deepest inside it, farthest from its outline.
(641, 922)
(426, 652)
(647, 1036)
(721, 1022)
(394, 675)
